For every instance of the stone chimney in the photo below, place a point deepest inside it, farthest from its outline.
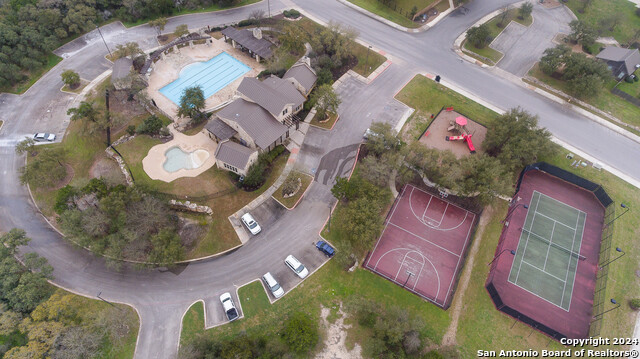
(306, 60)
(257, 33)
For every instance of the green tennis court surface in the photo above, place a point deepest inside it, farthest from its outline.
(548, 251)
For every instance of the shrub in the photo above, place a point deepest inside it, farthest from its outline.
(290, 185)
(479, 36)
(62, 198)
(291, 14)
(70, 78)
(131, 130)
(300, 332)
(255, 176)
(628, 79)
(138, 62)
(270, 156)
(150, 126)
(97, 186)
(635, 303)
(248, 22)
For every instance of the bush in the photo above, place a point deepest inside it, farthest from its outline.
(635, 303)
(62, 198)
(272, 155)
(255, 176)
(300, 332)
(97, 186)
(138, 62)
(150, 126)
(290, 185)
(638, 11)
(248, 22)
(291, 14)
(131, 130)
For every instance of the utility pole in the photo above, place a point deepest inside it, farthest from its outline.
(106, 95)
(105, 43)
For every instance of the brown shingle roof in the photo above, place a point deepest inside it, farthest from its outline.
(247, 40)
(263, 128)
(220, 129)
(630, 57)
(304, 74)
(273, 94)
(234, 154)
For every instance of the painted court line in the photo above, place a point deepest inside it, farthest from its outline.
(544, 271)
(524, 251)
(466, 241)
(549, 247)
(556, 221)
(427, 224)
(385, 226)
(426, 240)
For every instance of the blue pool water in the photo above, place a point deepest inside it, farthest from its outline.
(177, 159)
(211, 76)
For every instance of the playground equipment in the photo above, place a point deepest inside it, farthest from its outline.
(460, 125)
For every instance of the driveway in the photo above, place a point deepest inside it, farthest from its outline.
(523, 46)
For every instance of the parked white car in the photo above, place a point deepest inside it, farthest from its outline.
(251, 223)
(273, 285)
(296, 266)
(229, 308)
(41, 137)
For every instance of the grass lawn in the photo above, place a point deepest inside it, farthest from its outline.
(192, 322)
(600, 10)
(254, 299)
(481, 326)
(32, 77)
(421, 88)
(485, 54)
(605, 100)
(632, 89)
(290, 202)
(400, 11)
(327, 125)
(495, 30)
(214, 7)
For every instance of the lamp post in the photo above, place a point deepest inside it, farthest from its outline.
(620, 215)
(330, 210)
(510, 212)
(498, 256)
(103, 40)
(615, 259)
(368, 48)
(269, 7)
(607, 311)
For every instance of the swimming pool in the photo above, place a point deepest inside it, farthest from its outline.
(211, 76)
(177, 159)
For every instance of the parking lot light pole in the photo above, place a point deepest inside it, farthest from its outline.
(607, 311)
(105, 43)
(620, 215)
(330, 210)
(498, 256)
(510, 212)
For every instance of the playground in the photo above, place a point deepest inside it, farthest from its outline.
(423, 245)
(544, 269)
(443, 133)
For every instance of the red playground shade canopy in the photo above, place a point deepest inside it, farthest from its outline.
(461, 121)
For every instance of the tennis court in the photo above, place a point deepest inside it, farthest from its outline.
(423, 245)
(549, 250)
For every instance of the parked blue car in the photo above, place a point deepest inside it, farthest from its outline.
(325, 248)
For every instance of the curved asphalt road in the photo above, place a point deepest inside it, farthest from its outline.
(161, 297)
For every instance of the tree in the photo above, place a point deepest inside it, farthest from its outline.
(484, 177)
(300, 332)
(167, 248)
(382, 138)
(362, 221)
(290, 185)
(525, 10)
(413, 12)
(611, 22)
(516, 140)
(130, 49)
(13, 239)
(479, 35)
(326, 100)
(85, 111)
(46, 169)
(343, 189)
(181, 30)
(76, 342)
(255, 175)
(378, 170)
(27, 145)
(192, 103)
(158, 24)
(582, 33)
(257, 16)
(151, 125)
(553, 58)
(586, 76)
(70, 78)
(503, 16)
(292, 38)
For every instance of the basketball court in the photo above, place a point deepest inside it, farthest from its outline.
(423, 245)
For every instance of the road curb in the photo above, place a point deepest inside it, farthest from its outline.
(299, 199)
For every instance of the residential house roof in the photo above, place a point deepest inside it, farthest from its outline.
(234, 154)
(273, 94)
(630, 57)
(121, 68)
(263, 128)
(245, 38)
(303, 73)
(220, 129)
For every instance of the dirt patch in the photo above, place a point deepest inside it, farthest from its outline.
(550, 4)
(190, 232)
(336, 335)
(435, 136)
(66, 180)
(123, 110)
(108, 169)
(449, 337)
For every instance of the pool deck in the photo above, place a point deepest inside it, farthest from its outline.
(168, 69)
(153, 162)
